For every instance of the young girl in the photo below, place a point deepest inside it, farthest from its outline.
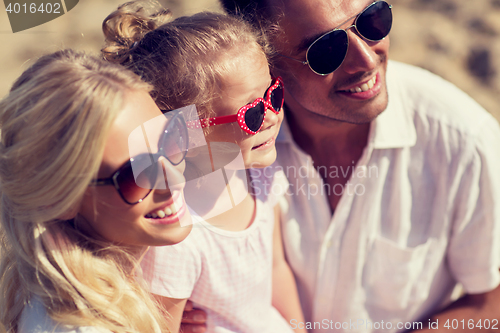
(232, 265)
(74, 220)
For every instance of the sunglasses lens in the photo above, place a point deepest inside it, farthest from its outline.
(175, 141)
(254, 117)
(326, 54)
(277, 97)
(375, 22)
(134, 188)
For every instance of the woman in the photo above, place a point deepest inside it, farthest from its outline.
(78, 210)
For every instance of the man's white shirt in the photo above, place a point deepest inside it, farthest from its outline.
(419, 214)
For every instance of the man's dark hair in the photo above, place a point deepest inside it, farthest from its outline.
(252, 10)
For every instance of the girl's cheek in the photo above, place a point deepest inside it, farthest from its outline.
(246, 145)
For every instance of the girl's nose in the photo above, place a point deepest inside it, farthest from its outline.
(271, 118)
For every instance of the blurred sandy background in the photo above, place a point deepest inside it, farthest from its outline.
(457, 39)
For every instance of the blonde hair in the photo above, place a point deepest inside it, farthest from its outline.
(185, 59)
(54, 125)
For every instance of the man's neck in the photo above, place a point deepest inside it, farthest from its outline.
(332, 145)
(322, 137)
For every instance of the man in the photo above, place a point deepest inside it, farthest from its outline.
(394, 177)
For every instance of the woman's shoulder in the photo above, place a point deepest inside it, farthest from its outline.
(35, 319)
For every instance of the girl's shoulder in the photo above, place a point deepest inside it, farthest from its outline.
(35, 319)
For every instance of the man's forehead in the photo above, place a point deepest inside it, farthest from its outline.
(333, 7)
(309, 19)
(294, 4)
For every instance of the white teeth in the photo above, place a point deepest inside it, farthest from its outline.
(371, 83)
(365, 86)
(172, 209)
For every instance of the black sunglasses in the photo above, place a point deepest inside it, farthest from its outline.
(135, 179)
(328, 51)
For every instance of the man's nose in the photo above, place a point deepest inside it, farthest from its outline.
(361, 56)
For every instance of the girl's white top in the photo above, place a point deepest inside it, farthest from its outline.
(226, 273)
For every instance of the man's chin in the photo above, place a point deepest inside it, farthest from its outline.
(353, 116)
(365, 113)
(361, 118)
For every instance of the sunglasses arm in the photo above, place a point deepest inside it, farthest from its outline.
(301, 61)
(207, 122)
(102, 181)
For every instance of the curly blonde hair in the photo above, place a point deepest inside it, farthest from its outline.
(185, 59)
(54, 125)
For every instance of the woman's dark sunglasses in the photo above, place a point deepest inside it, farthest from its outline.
(328, 52)
(251, 116)
(135, 179)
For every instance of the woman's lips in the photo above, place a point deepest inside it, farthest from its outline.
(169, 214)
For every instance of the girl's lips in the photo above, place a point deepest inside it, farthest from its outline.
(265, 145)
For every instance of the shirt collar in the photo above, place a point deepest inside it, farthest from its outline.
(393, 128)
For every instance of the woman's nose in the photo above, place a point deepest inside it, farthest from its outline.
(170, 177)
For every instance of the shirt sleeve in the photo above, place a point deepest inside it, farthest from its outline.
(172, 271)
(474, 249)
